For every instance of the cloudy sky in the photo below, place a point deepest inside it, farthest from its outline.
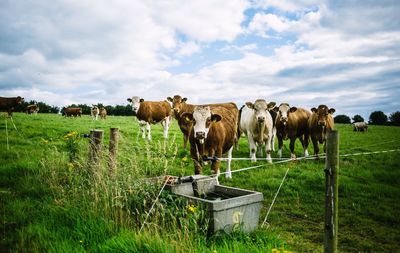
(345, 53)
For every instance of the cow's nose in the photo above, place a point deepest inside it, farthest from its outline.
(200, 135)
(176, 110)
(284, 119)
(321, 123)
(260, 118)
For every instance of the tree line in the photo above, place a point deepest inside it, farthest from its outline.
(375, 118)
(117, 110)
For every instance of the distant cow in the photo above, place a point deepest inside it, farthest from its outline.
(320, 122)
(150, 112)
(103, 113)
(72, 111)
(32, 109)
(94, 111)
(291, 123)
(213, 134)
(180, 107)
(256, 122)
(8, 104)
(360, 126)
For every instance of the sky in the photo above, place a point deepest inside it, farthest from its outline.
(344, 53)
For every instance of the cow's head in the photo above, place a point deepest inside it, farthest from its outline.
(135, 103)
(322, 113)
(261, 108)
(94, 107)
(177, 103)
(202, 118)
(20, 100)
(283, 112)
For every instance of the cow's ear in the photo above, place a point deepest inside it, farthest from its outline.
(332, 110)
(271, 105)
(129, 100)
(216, 117)
(314, 109)
(187, 116)
(250, 105)
(141, 100)
(293, 109)
(184, 99)
(169, 99)
(275, 109)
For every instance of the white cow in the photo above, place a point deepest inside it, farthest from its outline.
(256, 122)
(94, 112)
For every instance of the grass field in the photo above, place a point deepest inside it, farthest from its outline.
(51, 201)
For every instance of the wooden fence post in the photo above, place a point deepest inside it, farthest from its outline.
(331, 192)
(96, 140)
(113, 149)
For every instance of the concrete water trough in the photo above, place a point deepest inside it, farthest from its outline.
(227, 207)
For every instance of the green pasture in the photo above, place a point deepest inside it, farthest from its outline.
(51, 201)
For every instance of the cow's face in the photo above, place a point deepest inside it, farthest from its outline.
(261, 109)
(177, 103)
(20, 100)
(284, 110)
(94, 107)
(322, 113)
(135, 103)
(202, 119)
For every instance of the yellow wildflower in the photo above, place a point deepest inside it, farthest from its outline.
(191, 208)
(275, 251)
(70, 166)
(184, 159)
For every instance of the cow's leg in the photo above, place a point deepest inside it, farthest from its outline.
(268, 148)
(166, 127)
(260, 147)
(273, 139)
(252, 146)
(196, 163)
(185, 140)
(292, 142)
(280, 145)
(228, 168)
(142, 127)
(316, 147)
(305, 144)
(148, 128)
(303, 141)
(215, 165)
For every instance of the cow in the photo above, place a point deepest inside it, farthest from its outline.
(151, 112)
(292, 123)
(256, 122)
(32, 109)
(94, 111)
(360, 126)
(72, 111)
(212, 135)
(320, 122)
(7, 104)
(103, 113)
(180, 107)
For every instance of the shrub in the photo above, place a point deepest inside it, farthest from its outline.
(358, 118)
(343, 119)
(395, 118)
(378, 118)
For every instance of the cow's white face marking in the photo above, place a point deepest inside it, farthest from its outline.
(201, 122)
(261, 108)
(283, 113)
(135, 103)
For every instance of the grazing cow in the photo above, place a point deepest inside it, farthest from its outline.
(256, 122)
(72, 111)
(360, 126)
(32, 109)
(291, 123)
(180, 107)
(213, 134)
(7, 104)
(320, 122)
(103, 113)
(150, 112)
(94, 111)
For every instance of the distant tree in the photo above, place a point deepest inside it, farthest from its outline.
(378, 118)
(341, 118)
(395, 118)
(358, 118)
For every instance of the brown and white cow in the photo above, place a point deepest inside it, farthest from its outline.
(360, 126)
(103, 113)
(320, 122)
(180, 107)
(72, 111)
(151, 112)
(32, 109)
(213, 134)
(94, 112)
(256, 122)
(292, 123)
(8, 104)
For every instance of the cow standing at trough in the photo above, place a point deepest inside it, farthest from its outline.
(94, 112)
(213, 134)
(320, 122)
(72, 111)
(32, 109)
(151, 112)
(292, 123)
(180, 107)
(8, 104)
(103, 113)
(360, 126)
(256, 122)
